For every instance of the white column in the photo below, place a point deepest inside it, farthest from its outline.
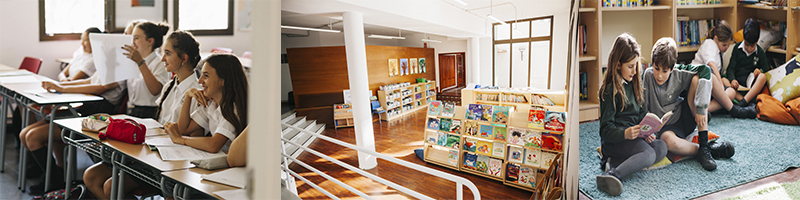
(359, 86)
(474, 64)
(263, 161)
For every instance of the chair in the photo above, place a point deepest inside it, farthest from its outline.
(221, 50)
(31, 64)
(376, 109)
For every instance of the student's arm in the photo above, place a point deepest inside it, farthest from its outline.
(609, 132)
(762, 61)
(185, 123)
(730, 73)
(64, 74)
(78, 76)
(83, 89)
(153, 85)
(78, 82)
(703, 92)
(237, 154)
(211, 144)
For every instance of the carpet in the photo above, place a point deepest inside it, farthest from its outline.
(762, 149)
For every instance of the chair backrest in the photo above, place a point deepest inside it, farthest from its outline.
(31, 64)
(375, 105)
(221, 50)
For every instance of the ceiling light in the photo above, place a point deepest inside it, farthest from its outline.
(429, 40)
(311, 29)
(495, 19)
(386, 37)
(461, 2)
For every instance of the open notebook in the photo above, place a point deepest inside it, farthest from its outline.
(236, 177)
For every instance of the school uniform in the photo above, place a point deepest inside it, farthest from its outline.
(743, 63)
(144, 103)
(172, 98)
(111, 99)
(660, 99)
(81, 62)
(708, 52)
(210, 118)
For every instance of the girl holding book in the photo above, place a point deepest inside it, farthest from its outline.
(621, 110)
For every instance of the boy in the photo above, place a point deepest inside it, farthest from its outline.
(686, 91)
(748, 59)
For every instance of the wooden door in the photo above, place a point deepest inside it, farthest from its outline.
(460, 77)
(447, 70)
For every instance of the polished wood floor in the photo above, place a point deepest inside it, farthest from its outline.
(397, 138)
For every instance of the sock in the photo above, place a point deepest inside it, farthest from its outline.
(40, 156)
(702, 138)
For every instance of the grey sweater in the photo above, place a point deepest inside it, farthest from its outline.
(660, 99)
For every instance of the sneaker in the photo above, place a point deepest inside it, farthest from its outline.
(743, 103)
(746, 112)
(610, 184)
(721, 149)
(605, 165)
(705, 159)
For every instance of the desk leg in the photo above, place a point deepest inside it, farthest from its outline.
(114, 177)
(50, 166)
(175, 191)
(186, 192)
(71, 163)
(23, 153)
(3, 116)
(121, 182)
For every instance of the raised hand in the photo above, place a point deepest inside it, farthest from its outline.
(133, 54)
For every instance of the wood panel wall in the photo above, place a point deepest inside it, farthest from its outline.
(319, 74)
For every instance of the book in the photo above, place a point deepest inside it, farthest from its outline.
(236, 177)
(484, 148)
(512, 172)
(452, 141)
(584, 95)
(469, 160)
(515, 154)
(525, 174)
(434, 108)
(444, 124)
(474, 112)
(494, 167)
(500, 133)
(498, 149)
(482, 164)
(455, 127)
(652, 123)
(442, 141)
(555, 121)
(552, 141)
(486, 131)
(486, 113)
(452, 158)
(547, 158)
(532, 157)
(536, 118)
(470, 144)
(471, 128)
(449, 110)
(500, 114)
(433, 123)
(515, 136)
(532, 138)
(432, 136)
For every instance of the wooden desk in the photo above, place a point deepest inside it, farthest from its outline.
(6, 67)
(191, 178)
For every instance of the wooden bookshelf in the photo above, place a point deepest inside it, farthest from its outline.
(342, 116)
(519, 99)
(406, 99)
(638, 8)
(592, 67)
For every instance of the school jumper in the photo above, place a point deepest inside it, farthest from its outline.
(743, 63)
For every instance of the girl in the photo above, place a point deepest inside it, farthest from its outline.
(147, 36)
(621, 111)
(82, 65)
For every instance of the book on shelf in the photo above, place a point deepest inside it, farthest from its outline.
(527, 176)
(652, 123)
(455, 127)
(515, 136)
(552, 141)
(482, 163)
(474, 112)
(627, 3)
(444, 124)
(452, 141)
(486, 113)
(469, 160)
(452, 157)
(434, 108)
(536, 118)
(514, 98)
(542, 100)
(515, 154)
(500, 133)
(697, 2)
(471, 128)
(693, 32)
(555, 121)
(486, 131)
(532, 157)
(500, 114)
(470, 144)
(532, 138)
(547, 158)
(432, 137)
(512, 172)
(484, 148)
(442, 140)
(494, 166)
(498, 149)
(448, 110)
(433, 123)
(584, 95)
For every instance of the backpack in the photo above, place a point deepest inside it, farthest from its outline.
(125, 130)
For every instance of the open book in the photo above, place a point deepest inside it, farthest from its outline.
(652, 124)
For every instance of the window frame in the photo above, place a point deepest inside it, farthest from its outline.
(529, 40)
(227, 31)
(110, 20)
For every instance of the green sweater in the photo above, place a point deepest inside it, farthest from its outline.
(613, 122)
(742, 65)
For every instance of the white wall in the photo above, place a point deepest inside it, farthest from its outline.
(638, 23)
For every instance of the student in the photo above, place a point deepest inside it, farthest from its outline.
(710, 53)
(143, 91)
(621, 111)
(82, 64)
(664, 84)
(748, 59)
(181, 55)
(237, 154)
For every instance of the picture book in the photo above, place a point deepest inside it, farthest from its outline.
(500, 133)
(486, 113)
(433, 123)
(435, 107)
(524, 175)
(515, 154)
(455, 126)
(494, 166)
(547, 158)
(555, 121)
(482, 164)
(515, 136)
(533, 138)
(532, 157)
(552, 141)
(452, 141)
(500, 114)
(652, 123)
(498, 149)
(536, 118)
(452, 158)
(486, 131)
(444, 124)
(469, 160)
(484, 148)
(474, 112)
(470, 145)
(471, 128)
(512, 172)
(432, 136)
(448, 110)
(442, 139)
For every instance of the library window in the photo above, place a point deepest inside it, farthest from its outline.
(204, 17)
(522, 53)
(67, 19)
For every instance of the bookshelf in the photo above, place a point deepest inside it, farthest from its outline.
(400, 100)
(342, 116)
(519, 99)
(589, 59)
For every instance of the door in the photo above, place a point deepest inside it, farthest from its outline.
(460, 77)
(447, 71)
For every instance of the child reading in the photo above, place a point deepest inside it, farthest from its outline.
(748, 59)
(621, 111)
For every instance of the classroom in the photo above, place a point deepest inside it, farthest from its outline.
(503, 99)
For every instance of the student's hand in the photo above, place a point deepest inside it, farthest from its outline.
(650, 139)
(632, 132)
(47, 85)
(726, 82)
(133, 54)
(735, 84)
(197, 95)
(65, 79)
(172, 130)
(756, 72)
(701, 121)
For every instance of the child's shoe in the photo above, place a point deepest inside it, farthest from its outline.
(721, 149)
(609, 183)
(746, 112)
(705, 159)
(743, 103)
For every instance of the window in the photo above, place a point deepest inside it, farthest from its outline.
(204, 17)
(67, 19)
(522, 53)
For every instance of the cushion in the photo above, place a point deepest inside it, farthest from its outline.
(794, 108)
(784, 82)
(772, 110)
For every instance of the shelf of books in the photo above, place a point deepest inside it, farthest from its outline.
(342, 115)
(517, 99)
(402, 98)
(590, 63)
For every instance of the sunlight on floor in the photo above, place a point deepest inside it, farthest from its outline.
(767, 191)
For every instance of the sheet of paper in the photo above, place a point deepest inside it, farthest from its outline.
(43, 94)
(181, 152)
(19, 79)
(236, 177)
(159, 141)
(111, 64)
(16, 73)
(150, 123)
(233, 194)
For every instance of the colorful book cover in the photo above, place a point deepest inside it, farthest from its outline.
(433, 123)
(536, 118)
(486, 113)
(470, 144)
(455, 126)
(512, 172)
(444, 124)
(498, 149)
(500, 133)
(483, 163)
(515, 154)
(469, 160)
(434, 108)
(552, 141)
(525, 174)
(474, 112)
(442, 139)
(432, 136)
(484, 148)
(555, 121)
(471, 128)
(486, 131)
(516, 136)
(452, 158)
(449, 110)
(452, 141)
(494, 166)
(533, 139)
(547, 158)
(532, 157)
(500, 114)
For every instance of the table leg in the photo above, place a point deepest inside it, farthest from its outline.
(3, 116)
(186, 192)
(71, 163)
(50, 166)
(114, 175)
(23, 153)
(121, 184)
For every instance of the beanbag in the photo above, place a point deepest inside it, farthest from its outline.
(772, 110)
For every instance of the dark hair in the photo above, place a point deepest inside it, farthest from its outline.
(516, 133)
(665, 53)
(624, 49)
(722, 30)
(93, 30)
(184, 44)
(155, 31)
(751, 31)
(234, 88)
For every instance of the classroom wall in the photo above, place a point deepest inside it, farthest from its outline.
(638, 23)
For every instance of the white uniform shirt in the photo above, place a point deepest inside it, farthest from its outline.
(708, 51)
(170, 110)
(81, 61)
(113, 95)
(210, 118)
(138, 94)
